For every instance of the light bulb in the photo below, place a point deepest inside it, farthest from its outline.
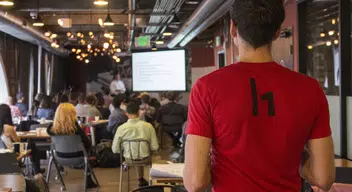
(87, 60)
(68, 34)
(310, 47)
(106, 45)
(328, 43)
(74, 50)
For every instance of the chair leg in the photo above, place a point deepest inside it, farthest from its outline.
(49, 169)
(93, 174)
(86, 175)
(60, 176)
(121, 176)
(128, 178)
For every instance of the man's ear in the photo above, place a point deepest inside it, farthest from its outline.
(233, 29)
(277, 35)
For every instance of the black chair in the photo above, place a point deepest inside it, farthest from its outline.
(69, 144)
(159, 188)
(26, 125)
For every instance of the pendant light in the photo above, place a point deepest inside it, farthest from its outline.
(6, 2)
(101, 2)
(37, 21)
(108, 21)
(154, 48)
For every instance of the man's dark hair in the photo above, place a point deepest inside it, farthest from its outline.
(81, 98)
(258, 21)
(145, 99)
(132, 108)
(100, 100)
(45, 103)
(91, 100)
(171, 96)
(117, 100)
(64, 99)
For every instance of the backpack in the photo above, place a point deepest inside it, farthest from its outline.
(41, 183)
(108, 159)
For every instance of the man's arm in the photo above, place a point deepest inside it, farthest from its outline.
(319, 168)
(154, 145)
(197, 163)
(116, 142)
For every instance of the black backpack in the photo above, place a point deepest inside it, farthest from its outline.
(108, 159)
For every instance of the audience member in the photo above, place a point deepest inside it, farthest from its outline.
(163, 98)
(80, 105)
(118, 116)
(147, 112)
(123, 103)
(20, 104)
(64, 99)
(135, 129)
(155, 103)
(35, 105)
(9, 136)
(56, 101)
(15, 111)
(45, 111)
(107, 97)
(104, 111)
(249, 117)
(172, 116)
(88, 110)
(117, 86)
(65, 123)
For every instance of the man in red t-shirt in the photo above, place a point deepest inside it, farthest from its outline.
(253, 117)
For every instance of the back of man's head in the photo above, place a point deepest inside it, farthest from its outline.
(117, 100)
(19, 96)
(132, 108)
(171, 96)
(91, 100)
(145, 99)
(258, 21)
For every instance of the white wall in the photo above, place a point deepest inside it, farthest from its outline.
(334, 108)
(349, 127)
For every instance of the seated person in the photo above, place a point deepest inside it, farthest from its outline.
(45, 111)
(104, 111)
(118, 116)
(20, 104)
(135, 129)
(147, 111)
(9, 135)
(172, 116)
(15, 111)
(89, 110)
(65, 123)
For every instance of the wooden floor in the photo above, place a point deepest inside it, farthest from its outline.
(109, 178)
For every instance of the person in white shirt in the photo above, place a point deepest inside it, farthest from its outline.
(135, 129)
(117, 86)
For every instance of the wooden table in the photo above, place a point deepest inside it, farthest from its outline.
(5, 190)
(32, 135)
(168, 169)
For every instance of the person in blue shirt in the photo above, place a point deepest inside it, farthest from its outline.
(21, 105)
(45, 110)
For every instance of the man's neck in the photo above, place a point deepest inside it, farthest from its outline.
(259, 55)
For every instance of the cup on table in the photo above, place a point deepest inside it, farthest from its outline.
(41, 131)
(97, 118)
(42, 120)
(16, 147)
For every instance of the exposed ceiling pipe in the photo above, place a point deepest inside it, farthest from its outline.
(221, 11)
(131, 22)
(18, 28)
(198, 16)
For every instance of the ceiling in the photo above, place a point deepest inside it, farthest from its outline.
(152, 18)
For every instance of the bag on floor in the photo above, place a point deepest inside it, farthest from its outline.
(41, 184)
(108, 159)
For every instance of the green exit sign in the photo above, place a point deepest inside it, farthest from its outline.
(142, 41)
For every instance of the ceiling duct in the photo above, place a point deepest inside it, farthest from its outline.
(169, 8)
(221, 11)
(199, 15)
(18, 28)
(131, 22)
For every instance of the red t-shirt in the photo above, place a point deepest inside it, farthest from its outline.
(259, 117)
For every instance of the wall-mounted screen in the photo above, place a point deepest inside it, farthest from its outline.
(163, 70)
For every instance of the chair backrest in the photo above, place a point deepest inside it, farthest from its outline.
(161, 188)
(68, 144)
(130, 145)
(25, 125)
